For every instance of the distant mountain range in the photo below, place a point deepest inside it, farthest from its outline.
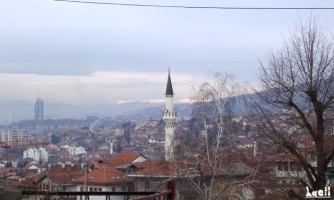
(21, 110)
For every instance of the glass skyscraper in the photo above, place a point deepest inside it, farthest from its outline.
(38, 114)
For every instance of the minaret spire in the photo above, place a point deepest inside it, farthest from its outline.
(169, 118)
(169, 89)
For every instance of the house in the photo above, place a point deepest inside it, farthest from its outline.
(40, 154)
(122, 161)
(59, 178)
(36, 167)
(157, 176)
(234, 175)
(286, 168)
(27, 172)
(104, 179)
(147, 163)
(2, 166)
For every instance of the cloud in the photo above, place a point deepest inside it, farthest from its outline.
(50, 37)
(157, 101)
(188, 100)
(98, 88)
(87, 54)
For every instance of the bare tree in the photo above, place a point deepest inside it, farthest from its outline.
(296, 98)
(214, 106)
(210, 169)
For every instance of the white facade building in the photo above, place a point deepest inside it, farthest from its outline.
(40, 155)
(44, 155)
(74, 151)
(14, 135)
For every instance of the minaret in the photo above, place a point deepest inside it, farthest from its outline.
(169, 118)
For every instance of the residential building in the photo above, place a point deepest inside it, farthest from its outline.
(105, 179)
(16, 135)
(59, 178)
(39, 154)
(74, 150)
(122, 161)
(191, 179)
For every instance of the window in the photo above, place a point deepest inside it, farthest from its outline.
(286, 166)
(147, 184)
(100, 189)
(293, 166)
(113, 189)
(280, 166)
(313, 157)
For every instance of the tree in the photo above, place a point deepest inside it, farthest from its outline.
(214, 107)
(208, 168)
(9, 164)
(20, 164)
(295, 98)
(55, 139)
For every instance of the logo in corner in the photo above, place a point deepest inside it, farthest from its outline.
(322, 193)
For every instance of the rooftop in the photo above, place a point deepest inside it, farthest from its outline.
(105, 175)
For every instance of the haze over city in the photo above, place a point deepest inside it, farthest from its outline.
(92, 54)
(152, 99)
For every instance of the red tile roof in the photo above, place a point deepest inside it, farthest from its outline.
(282, 157)
(63, 178)
(28, 183)
(61, 174)
(8, 170)
(167, 169)
(65, 168)
(105, 175)
(121, 159)
(147, 163)
(192, 166)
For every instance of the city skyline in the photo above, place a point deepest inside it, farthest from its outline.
(99, 54)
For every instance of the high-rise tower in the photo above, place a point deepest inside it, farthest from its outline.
(38, 111)
(169, 118)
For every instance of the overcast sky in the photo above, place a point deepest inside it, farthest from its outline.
(89, 54)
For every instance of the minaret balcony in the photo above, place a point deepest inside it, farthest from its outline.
(170, 114)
